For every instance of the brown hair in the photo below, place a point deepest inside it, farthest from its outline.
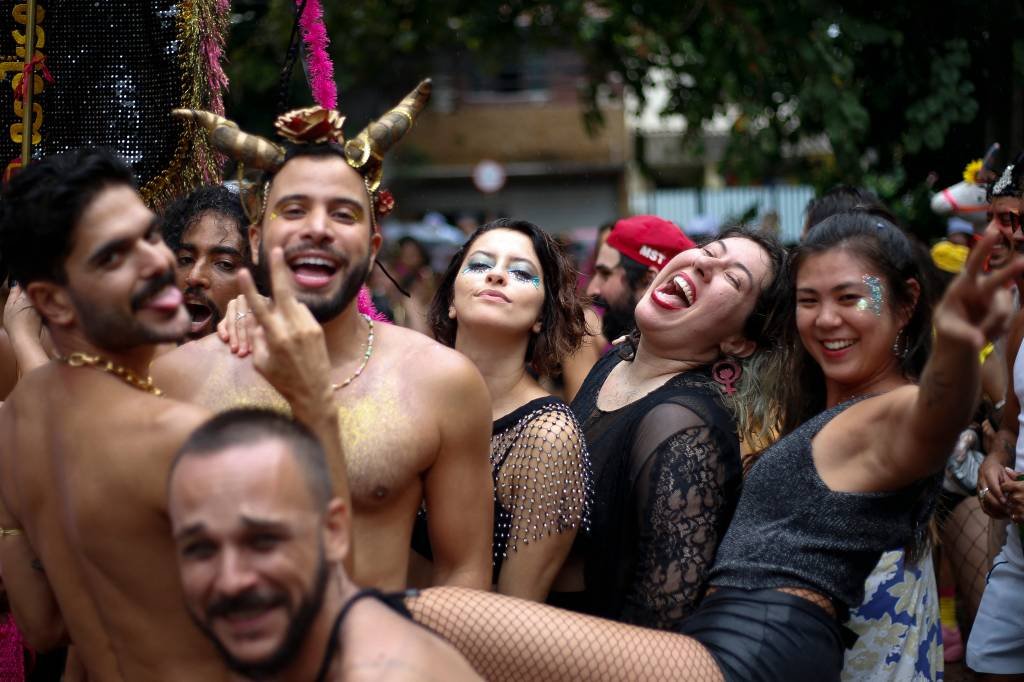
(562, 321)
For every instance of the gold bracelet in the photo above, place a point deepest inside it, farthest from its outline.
(9, 531)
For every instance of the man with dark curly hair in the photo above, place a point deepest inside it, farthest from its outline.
(207, 232)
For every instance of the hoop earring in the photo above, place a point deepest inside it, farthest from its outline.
(727, 372)
(900, 346)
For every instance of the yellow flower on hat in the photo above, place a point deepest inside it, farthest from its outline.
(971, 172)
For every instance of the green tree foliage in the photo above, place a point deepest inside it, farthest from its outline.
(899, 89)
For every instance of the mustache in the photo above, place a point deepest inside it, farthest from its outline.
(247, 601)
(151, 288)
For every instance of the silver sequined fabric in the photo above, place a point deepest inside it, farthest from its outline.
(116, 79)
(541, 471)
(792, 530)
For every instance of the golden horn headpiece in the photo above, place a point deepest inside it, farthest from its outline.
(225, 136)
(313, 125)
(365, 152)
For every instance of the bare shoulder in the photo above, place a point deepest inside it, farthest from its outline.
(180, 371)
(178, 419)
(407, 651)
(871, 410)
(864, 425)
(431, 363)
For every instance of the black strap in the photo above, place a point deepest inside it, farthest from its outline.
(393, 601)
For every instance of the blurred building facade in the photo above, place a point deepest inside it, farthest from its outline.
(526, 117)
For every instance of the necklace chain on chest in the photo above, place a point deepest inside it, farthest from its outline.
(366, 357)
(79, 359)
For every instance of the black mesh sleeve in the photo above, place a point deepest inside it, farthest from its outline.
(687, 475)
(545, 478)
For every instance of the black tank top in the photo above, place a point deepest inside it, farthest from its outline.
(394, 601)
(791, 530)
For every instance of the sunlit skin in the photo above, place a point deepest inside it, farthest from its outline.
(116, 254)
(846, 338)
(206, 265)
(609, 280)
(260, 557)
(415, 422)
(702, 297)
(999, 208)
(244, 522)
(318, 211)
(499, 286)
(497, 302)
(103, 440)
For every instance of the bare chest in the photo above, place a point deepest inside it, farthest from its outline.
(387, 435)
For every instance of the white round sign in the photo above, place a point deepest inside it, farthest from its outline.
(489, 176)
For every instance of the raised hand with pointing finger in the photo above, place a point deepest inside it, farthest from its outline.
(289, 350)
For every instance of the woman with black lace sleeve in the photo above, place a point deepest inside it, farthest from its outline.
(663, 432)
(508, 302)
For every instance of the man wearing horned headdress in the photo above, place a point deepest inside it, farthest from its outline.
(414, 415)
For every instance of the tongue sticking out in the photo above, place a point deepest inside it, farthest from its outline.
(671, 295)
(311, 276)
(167, 300)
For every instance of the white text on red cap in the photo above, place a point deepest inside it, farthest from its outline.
(653, 254)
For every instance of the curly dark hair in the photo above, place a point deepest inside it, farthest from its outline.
(42, 205)
(562, 323)
(185, 211)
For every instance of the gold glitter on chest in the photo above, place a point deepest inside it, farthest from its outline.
(382, 451)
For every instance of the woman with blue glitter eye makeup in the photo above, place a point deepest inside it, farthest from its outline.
(508, 301)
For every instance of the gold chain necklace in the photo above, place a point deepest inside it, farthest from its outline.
(123, 373)
(366, 358)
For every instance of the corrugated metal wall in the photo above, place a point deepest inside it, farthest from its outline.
(682, 206)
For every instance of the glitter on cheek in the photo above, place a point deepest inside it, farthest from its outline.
(875, 291)
(536, 282)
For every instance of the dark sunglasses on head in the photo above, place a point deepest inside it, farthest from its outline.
(1008, 219)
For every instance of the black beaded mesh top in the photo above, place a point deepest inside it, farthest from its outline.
(792, 530)
(541, 472)
(667, 476)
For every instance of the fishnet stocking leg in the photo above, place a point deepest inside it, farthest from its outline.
(511, 639)
(966, 543)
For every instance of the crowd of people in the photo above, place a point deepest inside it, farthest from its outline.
(235, 447)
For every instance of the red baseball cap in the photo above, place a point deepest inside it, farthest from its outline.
(649, 239)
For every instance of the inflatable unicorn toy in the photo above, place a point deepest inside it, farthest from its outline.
(967, 198)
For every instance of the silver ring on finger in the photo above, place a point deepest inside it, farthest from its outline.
(239, 316)
(982, 493)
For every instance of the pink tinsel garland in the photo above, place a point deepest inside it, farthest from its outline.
(365, 305)
(318, 62)
(212, 45)
(325, 93)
